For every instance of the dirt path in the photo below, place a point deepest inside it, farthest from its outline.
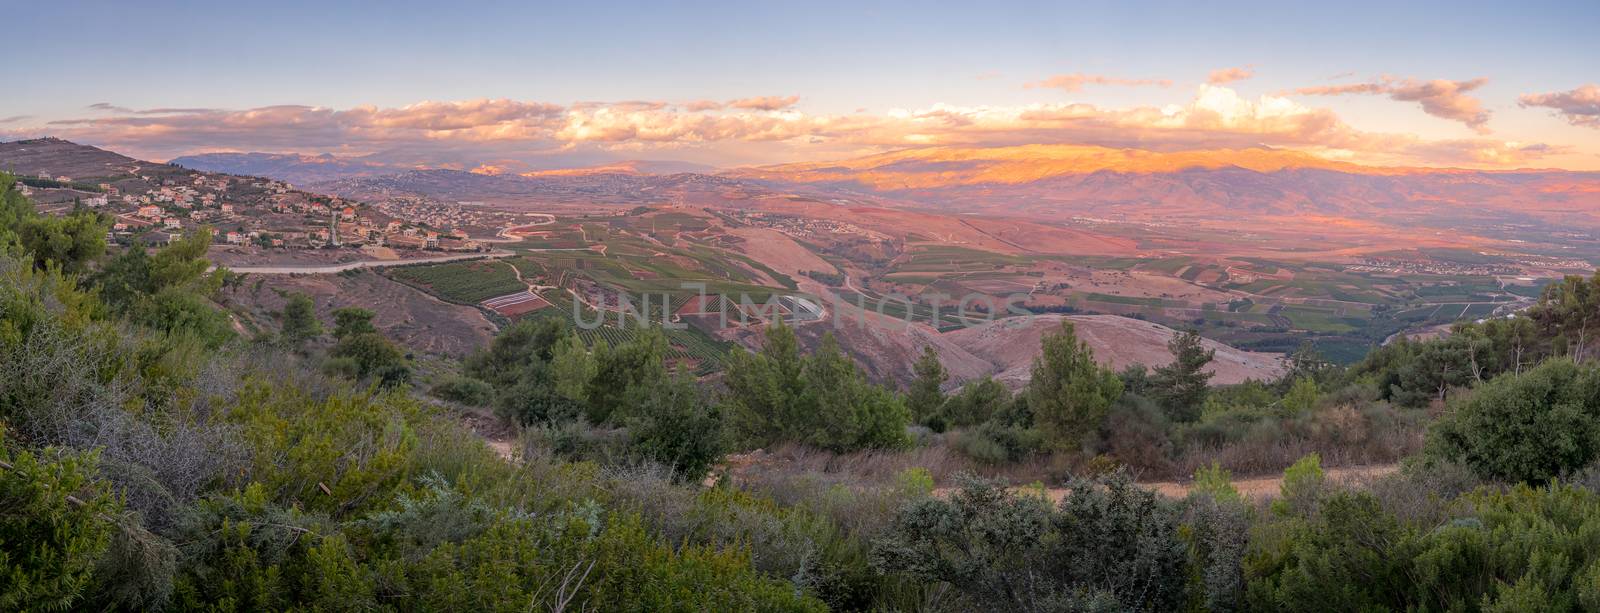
(1256, 488)
(338, 268)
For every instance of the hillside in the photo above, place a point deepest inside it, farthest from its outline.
(613, 187)
(1118, 342)
(292, 167)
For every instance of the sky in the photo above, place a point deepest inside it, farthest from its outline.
(1482, 85)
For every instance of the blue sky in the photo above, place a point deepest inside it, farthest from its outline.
(838, 58)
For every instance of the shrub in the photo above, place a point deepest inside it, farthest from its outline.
(1109, 546)
(1529, 427)
(465, 390)
(674, 425)
(976, 402)
(53, 529)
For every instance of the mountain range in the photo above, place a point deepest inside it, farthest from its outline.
(1042, 182)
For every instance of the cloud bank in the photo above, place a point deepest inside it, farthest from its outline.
(774, 128)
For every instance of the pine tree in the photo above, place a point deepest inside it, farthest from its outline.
(1069, 393)
(1181, 386)
(300, 322)
(926, 398)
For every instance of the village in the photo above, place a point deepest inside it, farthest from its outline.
(253, 211)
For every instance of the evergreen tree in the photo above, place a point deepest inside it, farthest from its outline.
(765, 391)
(674, 424)
(637, 364)
(300, 321)
(1069, 393)
(1181, 386)
(926, 398)
(572, 367)
(351, 321)
(844, 411)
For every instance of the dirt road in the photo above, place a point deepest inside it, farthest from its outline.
(338, 268)
(1254, 488)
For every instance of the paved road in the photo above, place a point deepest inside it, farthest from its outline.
(338, 268)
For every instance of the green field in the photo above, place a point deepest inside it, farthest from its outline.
(461, 282)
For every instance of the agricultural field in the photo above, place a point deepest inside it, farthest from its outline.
(461, 282)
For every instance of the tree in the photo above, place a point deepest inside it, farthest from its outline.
(572, 367)
(1109, 546)
(765, 390)
(846, 412)
(976, 402)
(926, 397)
(1181, 386)
(821, 399)
(170, 291)
(1069, 393)
(517, 349)
(674, 425)
(352, 321)
(72, 242)
(638, 364)
(370, 355)
(300, 321)
(1302, 396)
(1434, 368)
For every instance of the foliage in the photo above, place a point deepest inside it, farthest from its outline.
(623, 372)
(170, 291)
(300, 321)
(1215, 482)
(53, 529)
(977, 401)
(1069, 393)
(1302, 396)
(673, 424)
(352, 321)
(1181, 386)
(1529, 427)
(465, 390)
(72, 242)
(821, 399)
(926, 397)
(368, 355)
(1108, 546)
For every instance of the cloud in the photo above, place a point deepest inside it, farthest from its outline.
(1580, 107)
(700, 106)
(489, 131)
(1222, 76)
(1439, 97)
(15, 118)
(764, 103)
(1074, 82)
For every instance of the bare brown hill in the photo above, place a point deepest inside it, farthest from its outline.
(1011, 344)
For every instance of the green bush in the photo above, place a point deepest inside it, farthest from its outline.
(53, 529)
(465, 390)
(1529, 427)
(1108, 546)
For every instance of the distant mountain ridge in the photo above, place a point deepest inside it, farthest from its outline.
(301, 168)
(292, 167)
(1056, 181)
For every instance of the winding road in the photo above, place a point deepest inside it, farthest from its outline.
(327, 269)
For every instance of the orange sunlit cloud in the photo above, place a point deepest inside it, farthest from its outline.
(1215, 117)
(1441, 98)
(1222, 76)
(1580, 107)
(1074, 82)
